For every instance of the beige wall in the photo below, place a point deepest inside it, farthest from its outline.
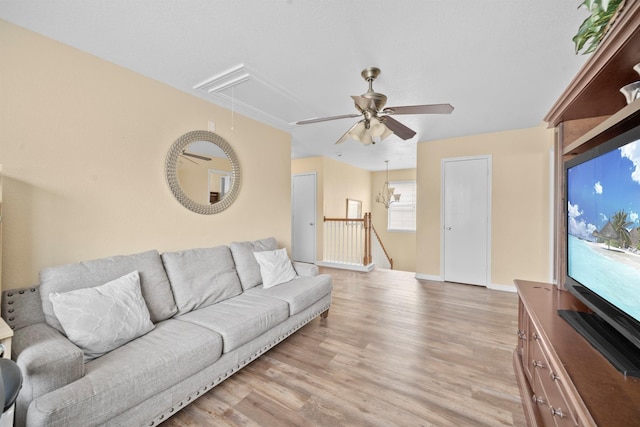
(342, 182)
(336, 182)
(83, 144)
(401, 246)
(520, 201)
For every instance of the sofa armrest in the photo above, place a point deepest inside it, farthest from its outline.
(305, 269)
(22, 307)
(48, 361)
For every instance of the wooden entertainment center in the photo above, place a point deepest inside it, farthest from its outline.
(563, 380)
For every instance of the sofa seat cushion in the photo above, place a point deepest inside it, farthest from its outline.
(201, 277)
(299, 293)
(129, 375)
(240, 319)
(246, 264)
(154, 283)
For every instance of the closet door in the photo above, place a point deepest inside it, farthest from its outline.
(303, 200)
(466, 193)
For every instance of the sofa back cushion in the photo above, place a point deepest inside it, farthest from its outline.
(154, 282)
(201, 277)
(246, 264)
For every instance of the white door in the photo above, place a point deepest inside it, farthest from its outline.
(466, 205)
(303, 207)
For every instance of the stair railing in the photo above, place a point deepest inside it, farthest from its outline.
(380, 255)
(349, 242)
(344, 241)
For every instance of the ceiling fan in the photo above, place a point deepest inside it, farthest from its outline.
(377, 123)
(186, 156)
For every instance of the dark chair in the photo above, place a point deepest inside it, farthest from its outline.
(10, 385)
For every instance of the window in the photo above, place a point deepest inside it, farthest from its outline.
(402, 214)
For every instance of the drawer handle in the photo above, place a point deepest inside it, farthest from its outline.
(556, 412)
(537, 364)
(521, 334)
(554, 376)
(536, 336)
(539, 400)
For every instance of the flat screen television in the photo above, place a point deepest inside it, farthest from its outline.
(603, 247)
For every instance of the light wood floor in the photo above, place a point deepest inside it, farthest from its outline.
(394, 351)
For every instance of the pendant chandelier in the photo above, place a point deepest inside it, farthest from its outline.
(386, 196)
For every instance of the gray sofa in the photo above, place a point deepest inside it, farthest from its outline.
(210, 316)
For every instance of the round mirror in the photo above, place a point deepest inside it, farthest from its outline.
(203, 172)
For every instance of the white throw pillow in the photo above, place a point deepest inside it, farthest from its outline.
(275, 267)
(103, 318)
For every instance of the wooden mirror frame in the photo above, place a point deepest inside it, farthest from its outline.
(171, 172)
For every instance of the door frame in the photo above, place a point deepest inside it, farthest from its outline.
(315, 210)
(487, 157)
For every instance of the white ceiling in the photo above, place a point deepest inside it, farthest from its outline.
(500, 63)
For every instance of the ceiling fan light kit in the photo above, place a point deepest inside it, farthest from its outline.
(376, 132)
(376, 123)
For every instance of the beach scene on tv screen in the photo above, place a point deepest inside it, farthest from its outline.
(603, 196)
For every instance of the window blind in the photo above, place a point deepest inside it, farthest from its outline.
(402, 214)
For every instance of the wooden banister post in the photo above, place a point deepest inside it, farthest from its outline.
(367, 239)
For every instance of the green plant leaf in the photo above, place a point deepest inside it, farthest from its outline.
(592, 30)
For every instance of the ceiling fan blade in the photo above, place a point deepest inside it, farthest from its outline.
(363, 103)
(326, 119)
(398, 128)
(206, 159)
(420, 109)
(192, 161)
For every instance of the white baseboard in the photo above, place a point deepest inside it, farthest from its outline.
(503, 288)
(430, 277)
(353, 267)
(433, 278)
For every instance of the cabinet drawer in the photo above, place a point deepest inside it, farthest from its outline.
(548, 385)
(526, 332)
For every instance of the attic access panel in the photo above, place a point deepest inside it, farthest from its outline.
(242, 89)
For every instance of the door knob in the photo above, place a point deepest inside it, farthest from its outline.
(448, 228)
(310, 223)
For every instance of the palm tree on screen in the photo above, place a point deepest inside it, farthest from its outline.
(620, 224)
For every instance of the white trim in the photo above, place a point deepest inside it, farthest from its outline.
(492, 286)
(487, 157)
(236, 81)
(489, 213)
(353, 267)
(221, 77)
(552, 217)
(315, 210)
(429, 277)
(502, 288)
